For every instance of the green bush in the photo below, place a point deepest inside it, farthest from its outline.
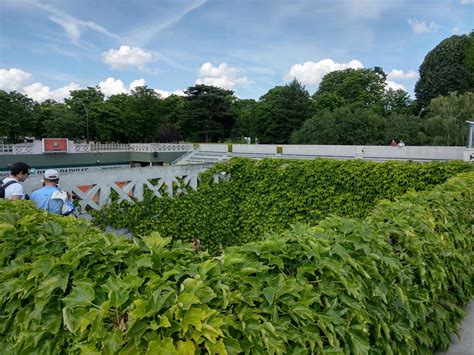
(395, 282)
(268, 195)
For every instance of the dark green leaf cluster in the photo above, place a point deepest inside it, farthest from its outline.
(395, 282)
(268, 195)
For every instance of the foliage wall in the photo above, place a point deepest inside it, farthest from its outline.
(395, 282)
(269, 195)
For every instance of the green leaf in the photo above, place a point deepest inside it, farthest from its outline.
(81, 295)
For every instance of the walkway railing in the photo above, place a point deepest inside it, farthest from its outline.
(161, 147)
(37, 148)
(95, 189)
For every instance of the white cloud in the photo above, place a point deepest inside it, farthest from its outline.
(221, 76)
(311, 73)
(40, 92)
(137, 83)
(420, 26)
(13, 79)
(112, 86)
(393, 85)
(127, 56)
(399, 74)
(165, 93)
(464, 2)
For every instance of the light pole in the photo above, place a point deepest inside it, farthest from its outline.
(87, 118)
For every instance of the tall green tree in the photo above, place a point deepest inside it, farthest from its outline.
(447, 68)
(210, 114)
(173, 112)
(56, 120)
(355, 88)
(112, 124)
(283, 110)
(86, 104)
(247, 119)
(445, 122)
(397, 101)
(344, 125)
(16, 116)
(144, 114)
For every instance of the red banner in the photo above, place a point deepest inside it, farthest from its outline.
(55, 145)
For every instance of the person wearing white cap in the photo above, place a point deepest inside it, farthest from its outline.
(50, 197)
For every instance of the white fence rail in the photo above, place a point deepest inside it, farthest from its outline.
(94, 189)
(161, 147)
(109, 147)
(37, 148)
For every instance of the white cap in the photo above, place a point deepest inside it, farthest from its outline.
(51, 174)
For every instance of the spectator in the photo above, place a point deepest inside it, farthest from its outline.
(401, 144)
(51, 197)
(393, 143)
(11, 186)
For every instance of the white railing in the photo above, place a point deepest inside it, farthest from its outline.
(6, 148)
(161, 147)
(185, 156)
(25, 148)
(109, 147)
(95, 188)
(82, 148)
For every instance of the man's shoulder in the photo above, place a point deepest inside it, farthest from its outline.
(43, 190)
(8, 179)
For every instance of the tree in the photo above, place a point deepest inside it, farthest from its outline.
(247, 120)
(344, 125)
(397, 101)
(16, 116)
(445, 122)
(209, 114)
(56, 120)
(283, 110)
(112, 124)
(357, 88)
(446, 68)
(144, 114)
(404, 126)
(86, 105)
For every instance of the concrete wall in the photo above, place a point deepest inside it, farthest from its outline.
(155, 157)
(254, 148)
(221, 148)
(419, 153)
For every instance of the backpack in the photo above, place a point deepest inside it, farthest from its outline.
(67, 207)
(3, 187)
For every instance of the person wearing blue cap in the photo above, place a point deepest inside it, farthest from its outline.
(50, 197)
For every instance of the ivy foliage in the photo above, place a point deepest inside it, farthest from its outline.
(268, 195)
(394, 282)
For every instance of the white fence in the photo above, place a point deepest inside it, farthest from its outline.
(161, 147)
(37, 148)
(94, 189)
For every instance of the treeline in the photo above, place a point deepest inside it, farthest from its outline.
(351, 106)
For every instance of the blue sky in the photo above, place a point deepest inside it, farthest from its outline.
(50, 47)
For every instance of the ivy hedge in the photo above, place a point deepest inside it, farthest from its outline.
(268, 195)
(394, 282)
